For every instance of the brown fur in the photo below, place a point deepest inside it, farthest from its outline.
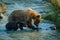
(2, 8)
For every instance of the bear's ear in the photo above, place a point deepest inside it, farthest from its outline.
(38, 16)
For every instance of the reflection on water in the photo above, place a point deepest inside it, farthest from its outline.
(44, 34)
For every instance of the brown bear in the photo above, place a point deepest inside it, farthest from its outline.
(2, 10)
(26, 17)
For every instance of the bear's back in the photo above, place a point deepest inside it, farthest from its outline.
(21, 15)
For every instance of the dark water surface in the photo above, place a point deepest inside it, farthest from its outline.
(40, 6)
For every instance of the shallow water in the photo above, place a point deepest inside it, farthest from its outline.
(43, 34)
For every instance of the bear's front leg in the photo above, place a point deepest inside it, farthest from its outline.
(37, 23)
(29, 23)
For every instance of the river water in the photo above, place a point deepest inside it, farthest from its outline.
(45, 33)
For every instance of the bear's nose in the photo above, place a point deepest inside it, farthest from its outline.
(1, 17)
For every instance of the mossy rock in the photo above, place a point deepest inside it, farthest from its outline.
(49, 16)
(54, 18)
(58, 21)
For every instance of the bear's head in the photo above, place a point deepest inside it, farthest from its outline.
(35, 16)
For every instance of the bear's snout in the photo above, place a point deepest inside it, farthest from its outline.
(1, 17)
